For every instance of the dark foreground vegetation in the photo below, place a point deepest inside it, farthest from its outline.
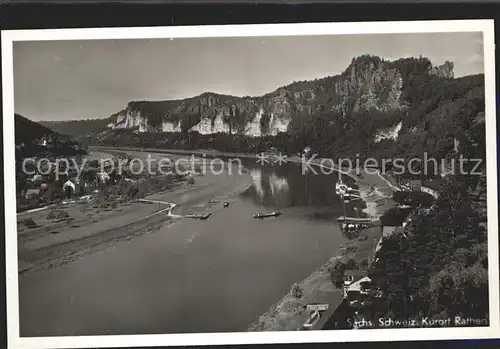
(439, 268)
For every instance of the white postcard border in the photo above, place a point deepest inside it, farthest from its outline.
(8, 37)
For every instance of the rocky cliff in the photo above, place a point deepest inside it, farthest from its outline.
(368, 82)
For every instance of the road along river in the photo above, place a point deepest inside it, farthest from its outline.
(211, 275)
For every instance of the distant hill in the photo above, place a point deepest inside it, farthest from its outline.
(378, 110)
(28, 131)
(76, 128)
(33, 139)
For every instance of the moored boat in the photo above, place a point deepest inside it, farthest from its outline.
(265, 215)
(204, 216)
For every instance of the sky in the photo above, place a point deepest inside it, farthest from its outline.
(67, 80)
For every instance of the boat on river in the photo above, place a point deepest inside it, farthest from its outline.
(198, 216)
(201, 216)
(265, 215)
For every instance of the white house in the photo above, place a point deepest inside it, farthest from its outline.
(350, 277)
(70, 184)
(103, 176)
(360, 293)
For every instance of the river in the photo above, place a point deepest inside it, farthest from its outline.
(215, 275)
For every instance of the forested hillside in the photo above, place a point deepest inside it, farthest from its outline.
(439, 268)
(76, 128)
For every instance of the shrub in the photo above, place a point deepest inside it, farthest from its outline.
(414, 198)
(133, 192)
(114, 205)
(337, 277)
(338, 270)
(297, 291)
(351, 264)
(394, 216)
(401, 197)
(352, 249)
(191, 181)
(62, 215)
(29, 222)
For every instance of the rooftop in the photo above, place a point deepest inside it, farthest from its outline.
(399, 230)
(356, 287)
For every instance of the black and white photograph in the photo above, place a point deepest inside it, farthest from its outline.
(250, 183)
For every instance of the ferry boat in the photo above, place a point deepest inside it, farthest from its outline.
(201, 216)
(265, 215)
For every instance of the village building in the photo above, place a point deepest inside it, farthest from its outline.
(390, 230)
(86, 199)
(46, 191)
(103, 177)
(396, 225)
(356, 292)
(412, 185)
(350, 277)
(359, 291)
(357, 295)
(316, 312)
(69, 188)
(37, 178)
(415, 184)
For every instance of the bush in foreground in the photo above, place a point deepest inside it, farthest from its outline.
(337, 271)
(297, 291)
(57, 214)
